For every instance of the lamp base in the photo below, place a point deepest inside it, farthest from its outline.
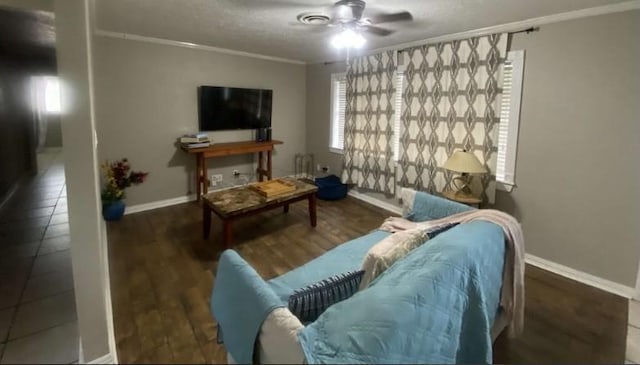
(462, 183)
(459, 197)
(464, 195)
(464, 189)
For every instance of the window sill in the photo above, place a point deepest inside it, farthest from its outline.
(504, 186)
(336, 150)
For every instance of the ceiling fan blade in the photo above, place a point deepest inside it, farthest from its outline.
(341, 14)
(389, 18)
(379, 31)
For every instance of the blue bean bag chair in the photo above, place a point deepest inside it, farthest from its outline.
(331, 188)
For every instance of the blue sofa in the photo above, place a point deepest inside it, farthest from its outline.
(438, 304)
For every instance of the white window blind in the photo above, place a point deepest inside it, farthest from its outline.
(52, 94)
(509, 118)
(338, 108)
(397, 117)
(46, 94)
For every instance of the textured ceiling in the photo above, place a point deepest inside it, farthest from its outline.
(267, 26)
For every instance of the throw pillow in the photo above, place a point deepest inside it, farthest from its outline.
(418, 206)
(389, 250)
(310, 302)
(394, 247)
(432, 232)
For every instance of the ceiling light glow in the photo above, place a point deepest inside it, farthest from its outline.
(348, 38)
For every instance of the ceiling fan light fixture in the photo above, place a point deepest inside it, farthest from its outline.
(344, 12)
(348, 38)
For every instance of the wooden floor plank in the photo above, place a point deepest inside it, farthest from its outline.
(162, 273)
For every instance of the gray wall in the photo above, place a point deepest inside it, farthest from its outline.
(88, 243)
(54, 132)
(578, 183)
(16, 124)
(319, 114)
(146, 97)
(46, 5)
(578, 187)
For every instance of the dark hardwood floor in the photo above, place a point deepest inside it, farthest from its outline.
(162, 273)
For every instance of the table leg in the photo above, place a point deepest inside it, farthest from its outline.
(312, 209)
(198, 176)
(260, 162)
(227, 233)
(269, 165)
(205, 179)
(286, 208)
(206, 221)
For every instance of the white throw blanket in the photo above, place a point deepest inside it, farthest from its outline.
(512, 293)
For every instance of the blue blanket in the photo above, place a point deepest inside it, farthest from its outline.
(240, 302)
(445, 297)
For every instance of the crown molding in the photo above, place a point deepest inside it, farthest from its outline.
(513, 26)
(200, 47)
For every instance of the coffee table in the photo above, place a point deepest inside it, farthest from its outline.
(242, 201)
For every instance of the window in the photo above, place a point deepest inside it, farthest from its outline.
(52, 94)
(397, 115)
(46, 94)
(509, 119)
(338, 107)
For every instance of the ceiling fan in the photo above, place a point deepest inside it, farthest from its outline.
(350, 16)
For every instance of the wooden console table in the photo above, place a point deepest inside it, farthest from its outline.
(227, 149)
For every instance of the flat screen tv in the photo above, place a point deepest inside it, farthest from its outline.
(224, 108)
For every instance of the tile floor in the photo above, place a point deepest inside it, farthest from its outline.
(38, 320)
(633, 333)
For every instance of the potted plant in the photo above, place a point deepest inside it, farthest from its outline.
(118, 177)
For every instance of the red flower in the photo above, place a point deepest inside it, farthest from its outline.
(118, 176)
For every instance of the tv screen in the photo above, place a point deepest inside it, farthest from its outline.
(224, 108)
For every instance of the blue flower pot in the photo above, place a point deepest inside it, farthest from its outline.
(113, 211)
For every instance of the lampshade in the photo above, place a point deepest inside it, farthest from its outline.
(466, 162)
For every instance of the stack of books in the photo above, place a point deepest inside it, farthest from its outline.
(195, 140)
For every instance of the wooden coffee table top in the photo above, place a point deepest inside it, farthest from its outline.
(243, 199)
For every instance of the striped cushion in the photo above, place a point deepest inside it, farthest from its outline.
(309, 302)
(439, 229)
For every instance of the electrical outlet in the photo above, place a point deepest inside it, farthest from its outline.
(215, 179)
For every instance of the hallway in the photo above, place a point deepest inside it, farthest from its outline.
(38, 320)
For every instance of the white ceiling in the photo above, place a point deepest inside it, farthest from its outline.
(266, 26)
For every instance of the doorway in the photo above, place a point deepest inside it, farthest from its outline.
(38, 319)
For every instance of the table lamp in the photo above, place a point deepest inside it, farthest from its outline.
(467, 164)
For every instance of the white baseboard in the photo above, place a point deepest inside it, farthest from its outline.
(378, 203)
(579, 276)
(159, 204)
(106, 359)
